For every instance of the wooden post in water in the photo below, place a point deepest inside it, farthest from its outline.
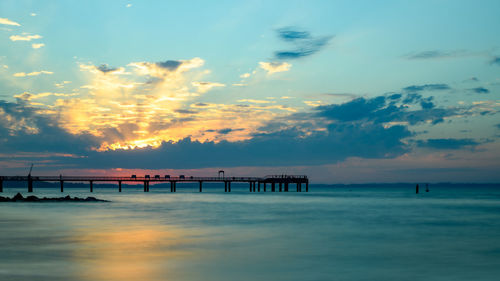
(1, 184)
(307, 186)
(229, 186)
(91, 186)
(225, 186)
(286, 186)
(250, 186)
(253, 184)
(273, 187)
(280, 186)
(416, 189)
(264, 186)
(258, 187)
(171, 186)
(175, 186)
(119, 186)
(145, 186)
(200, 185)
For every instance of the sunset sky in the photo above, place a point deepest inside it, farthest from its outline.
(342, 91)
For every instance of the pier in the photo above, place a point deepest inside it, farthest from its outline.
(273, 183)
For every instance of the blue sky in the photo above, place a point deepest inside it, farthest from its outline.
(344, 91)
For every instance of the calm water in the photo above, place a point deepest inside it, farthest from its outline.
(326, 234)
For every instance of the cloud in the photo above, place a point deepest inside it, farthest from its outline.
(254, 101)
(37, 46)
(163, 69)
(275, 67)
(33, 14)
(24, 37)
(245, 75)
(27, 129)
(437, 54)
(205, 86)
(303, 43)
(446, 144)
(388, 109)
(495, 60)
(128, 5)
(6, 21)
(35, 73)
(104, 68)
(291, 34)
(62, 84)
(377, 127)
(28, 96)
(427, 87)
(480, 90)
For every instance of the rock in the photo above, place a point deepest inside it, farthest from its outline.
(18, 197)
(31, 199)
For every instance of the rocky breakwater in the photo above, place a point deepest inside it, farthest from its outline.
(19, 198)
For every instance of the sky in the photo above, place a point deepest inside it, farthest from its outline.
(341, 91)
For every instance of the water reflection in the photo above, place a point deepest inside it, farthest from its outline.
(132, 252)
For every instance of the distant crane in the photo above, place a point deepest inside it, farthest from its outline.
(30, 182)
(31, 169)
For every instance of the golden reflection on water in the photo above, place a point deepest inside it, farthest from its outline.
(134, 252)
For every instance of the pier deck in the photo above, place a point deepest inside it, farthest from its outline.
(281, 182)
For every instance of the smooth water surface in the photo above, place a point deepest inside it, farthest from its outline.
(326, 234)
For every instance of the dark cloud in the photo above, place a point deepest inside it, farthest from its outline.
(22, 129)
(292, 34)
(186, 111)
(495, 60)
(104, 68)
(427, 87)
(448, 143)
(385, 109)
(436, 54)
(363, 127)
(480, 90)
(169, 64)
(303, 43)
(285, 147)
(225, 131)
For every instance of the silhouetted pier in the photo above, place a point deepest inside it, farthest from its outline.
(280, 183)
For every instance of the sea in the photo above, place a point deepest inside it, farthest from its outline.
(359, 232)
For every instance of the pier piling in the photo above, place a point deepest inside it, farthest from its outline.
(1, 185)
(119, 186)
(30, 184)
(91, 186)
(200, 185)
